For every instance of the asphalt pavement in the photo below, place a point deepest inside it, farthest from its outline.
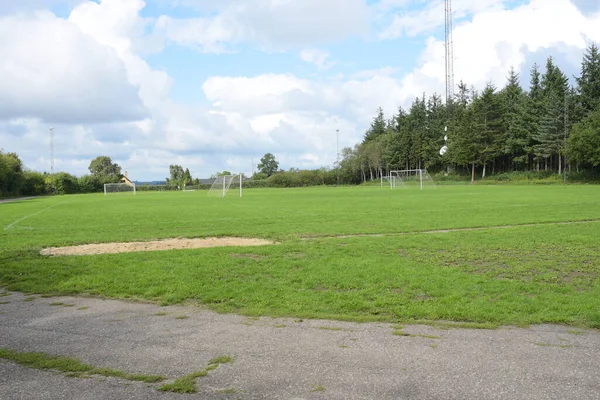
(286, 358)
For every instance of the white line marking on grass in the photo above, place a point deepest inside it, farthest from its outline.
(451, 230)
(9, 226)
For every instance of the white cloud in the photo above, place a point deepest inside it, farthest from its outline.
(272, 24)
(53, 71)
(413, 23)
(317, 57)
(117, 24)
(485, 48)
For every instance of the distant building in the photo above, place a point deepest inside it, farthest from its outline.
(125, 179)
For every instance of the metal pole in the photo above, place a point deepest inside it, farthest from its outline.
(52, 157)
(565, 141)
(337, 155)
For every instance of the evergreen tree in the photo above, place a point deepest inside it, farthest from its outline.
(419, 125)
(589, 83)
(462, 145)
(377, 128)
(514, 109)
(533, 113)
(488, 125)
(550, 135)
(403, 128)
(437, 119)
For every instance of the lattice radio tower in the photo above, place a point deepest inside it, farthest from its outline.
(449, 54)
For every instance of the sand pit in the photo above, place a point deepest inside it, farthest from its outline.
(156, 245)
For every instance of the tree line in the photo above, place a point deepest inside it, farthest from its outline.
(16, 180)
(549, 128)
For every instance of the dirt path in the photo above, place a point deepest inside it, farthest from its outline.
(287, 358)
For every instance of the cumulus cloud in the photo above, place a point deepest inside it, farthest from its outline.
(496, 39)
(272, 24)
(118, 25)
(53, 71)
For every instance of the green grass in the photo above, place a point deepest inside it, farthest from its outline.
(71, 366)
(187, 383)
(543, 273)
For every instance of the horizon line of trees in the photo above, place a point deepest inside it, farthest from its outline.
(551, 127)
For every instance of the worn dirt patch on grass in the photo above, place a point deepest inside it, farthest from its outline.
(156, 245)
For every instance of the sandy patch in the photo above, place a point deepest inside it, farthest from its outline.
(156, 245)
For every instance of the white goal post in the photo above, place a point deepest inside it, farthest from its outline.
(411, 177)
(118, 187)
(223, 183)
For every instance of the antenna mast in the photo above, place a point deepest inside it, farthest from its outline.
(449, 54)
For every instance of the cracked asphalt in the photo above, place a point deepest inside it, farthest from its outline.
(286, 358)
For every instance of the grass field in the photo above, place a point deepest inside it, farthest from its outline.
(542, 266)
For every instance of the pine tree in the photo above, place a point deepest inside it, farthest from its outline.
(550, 135)
(589, 82)
(514, 110)
(419, 125)
(488, 122)
(462, 143)
(403, 128)
(377, 128)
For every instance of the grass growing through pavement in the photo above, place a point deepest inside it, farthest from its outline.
(71, 366)
(520, 275)
(187, 384)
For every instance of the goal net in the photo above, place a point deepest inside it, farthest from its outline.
(223, 183)
(118, 188)
(411, 178)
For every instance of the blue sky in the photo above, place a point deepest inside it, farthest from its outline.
(214, 85)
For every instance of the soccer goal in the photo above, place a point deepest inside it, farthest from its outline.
(223, 183)
(118, 188)
(411, 177)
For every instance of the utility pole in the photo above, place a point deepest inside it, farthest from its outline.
(52, 157)
(337, 156)
(565, 141)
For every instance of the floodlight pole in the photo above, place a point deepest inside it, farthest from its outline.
(564, 155)
(337, 155)
(52, 156)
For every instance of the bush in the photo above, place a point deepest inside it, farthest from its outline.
(33, 184)
(90, 184)
(64, 183)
